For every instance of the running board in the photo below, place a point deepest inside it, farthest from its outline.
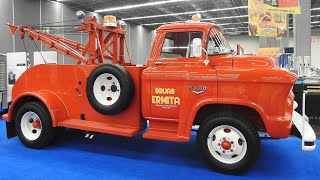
(164, 135)
(99, 127)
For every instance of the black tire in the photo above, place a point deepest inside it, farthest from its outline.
(47, 130)
(248, 131)
(126, 93)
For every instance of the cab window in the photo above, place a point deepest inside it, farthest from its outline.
(217, 44)
(178, 44)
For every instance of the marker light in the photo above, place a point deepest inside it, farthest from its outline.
(110, 21)
(196, 18)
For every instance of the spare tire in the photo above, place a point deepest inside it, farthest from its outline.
(110, 89)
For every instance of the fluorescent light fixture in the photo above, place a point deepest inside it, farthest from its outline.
(138, 5)
(226, 24)
(235, 28)
(315, 9)
(228, 17)
(184, 13)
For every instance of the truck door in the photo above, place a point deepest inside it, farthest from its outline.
(169, 73)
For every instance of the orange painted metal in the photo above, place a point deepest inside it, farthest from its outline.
(163, 89)
(250, 81)
(62, 88)
(101, 39)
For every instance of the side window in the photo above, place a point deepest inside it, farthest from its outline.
(178, 44)
(217, 44)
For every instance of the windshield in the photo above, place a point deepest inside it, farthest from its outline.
(217, 44)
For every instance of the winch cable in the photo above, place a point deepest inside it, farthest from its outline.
(25, 49)
(40, 52)
(24, 45)
(125, 40)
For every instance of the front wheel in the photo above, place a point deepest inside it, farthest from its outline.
(228, 143)
(34, 125)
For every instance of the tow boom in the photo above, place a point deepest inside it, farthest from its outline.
(105, 43)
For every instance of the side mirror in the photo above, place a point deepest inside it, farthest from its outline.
(240, 50)
(197, 47)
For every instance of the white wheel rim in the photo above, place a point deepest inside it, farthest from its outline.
(106, 89)
(31, 126)
(227, 144)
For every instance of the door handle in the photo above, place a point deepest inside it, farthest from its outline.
(160, 63)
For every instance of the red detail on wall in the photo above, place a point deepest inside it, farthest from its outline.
(288, 3)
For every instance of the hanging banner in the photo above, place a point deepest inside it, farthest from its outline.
(266, 24)
(282, 6)
(270, 52)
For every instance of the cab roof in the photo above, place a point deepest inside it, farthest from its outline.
(189, 25)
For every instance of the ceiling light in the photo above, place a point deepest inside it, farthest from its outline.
(211, 19)
(184, 13)
(138, 5)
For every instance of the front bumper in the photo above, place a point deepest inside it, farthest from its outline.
(307, 133)
(302, 124)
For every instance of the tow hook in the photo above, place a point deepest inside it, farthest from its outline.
(89, 135)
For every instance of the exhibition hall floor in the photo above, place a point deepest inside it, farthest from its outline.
(114, 157)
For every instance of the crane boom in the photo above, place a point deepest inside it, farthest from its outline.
(105, 43)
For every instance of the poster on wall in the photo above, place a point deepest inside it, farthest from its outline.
(45, 57)
(270, 52)
(266, 24)
(282, 6)
(16, 65)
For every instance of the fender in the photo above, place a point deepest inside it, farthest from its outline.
(207, 101)
(52, 101)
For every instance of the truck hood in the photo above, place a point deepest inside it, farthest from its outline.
(250, 61)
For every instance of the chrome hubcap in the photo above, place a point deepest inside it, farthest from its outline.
(227, 144)
(106, 89)
(31, 126)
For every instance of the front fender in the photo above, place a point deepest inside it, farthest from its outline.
(52, 101)
(208, 101)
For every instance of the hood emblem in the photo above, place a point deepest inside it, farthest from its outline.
(198, 89)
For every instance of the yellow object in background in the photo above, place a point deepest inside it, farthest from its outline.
(270, 52)
(266, 24)
(282, 6)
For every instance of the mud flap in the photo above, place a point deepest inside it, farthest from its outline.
(11, 130)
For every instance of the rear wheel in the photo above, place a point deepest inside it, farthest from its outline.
(34, 125)
(228, 143)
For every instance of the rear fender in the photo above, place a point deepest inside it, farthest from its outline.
(52, 101)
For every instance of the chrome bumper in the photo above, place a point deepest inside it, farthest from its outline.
(302, 123)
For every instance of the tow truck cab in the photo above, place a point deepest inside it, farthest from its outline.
(179, 89)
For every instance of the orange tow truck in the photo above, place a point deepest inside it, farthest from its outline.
(192, 77)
